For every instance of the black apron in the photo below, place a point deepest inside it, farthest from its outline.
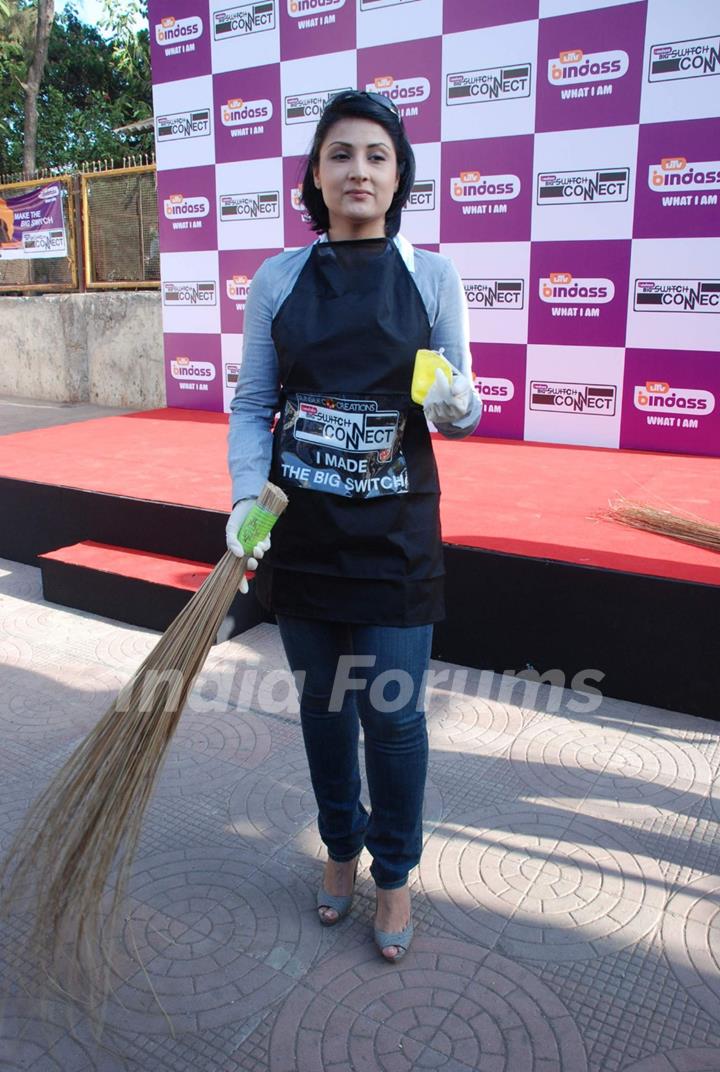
(360, 539)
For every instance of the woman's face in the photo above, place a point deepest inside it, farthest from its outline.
(357, 174)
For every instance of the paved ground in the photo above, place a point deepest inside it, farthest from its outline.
(566, 904)
(22, 414)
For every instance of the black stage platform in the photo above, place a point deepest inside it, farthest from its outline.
(532, 584)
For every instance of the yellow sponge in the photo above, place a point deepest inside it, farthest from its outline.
(427, 362)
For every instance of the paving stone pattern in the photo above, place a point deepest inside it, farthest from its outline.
(567, 904)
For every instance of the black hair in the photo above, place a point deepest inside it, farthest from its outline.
(360, 106)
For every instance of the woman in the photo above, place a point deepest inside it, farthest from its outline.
(355, 572)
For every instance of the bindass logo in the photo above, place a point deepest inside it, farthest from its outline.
(189, 294)
(308, 107)
(244, 20)
(296, 9)
(237, 287)
(677, 296)
(494, 293)
(677, 171)
(657, 394)
(560, 288)
(684, 59)
(178, 207)
(239, 113)
(48, 193)
(575, 67)
(183, 368)
(592, 399)
(495, 389)
(400, 90)
(170, 31)
(471, 186)
(489, 84)
(583, 187)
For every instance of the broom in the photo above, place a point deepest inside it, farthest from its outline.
(91, 813)
(685, 527)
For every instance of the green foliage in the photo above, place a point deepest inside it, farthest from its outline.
(93, 82)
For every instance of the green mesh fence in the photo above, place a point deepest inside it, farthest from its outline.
(122, 227)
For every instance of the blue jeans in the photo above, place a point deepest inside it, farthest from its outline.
(380, 684)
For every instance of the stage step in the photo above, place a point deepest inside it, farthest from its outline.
(138, 587)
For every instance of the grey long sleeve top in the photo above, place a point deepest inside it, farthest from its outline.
(257, 393)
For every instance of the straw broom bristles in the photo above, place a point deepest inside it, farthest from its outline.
(685, 527)
(90, 815)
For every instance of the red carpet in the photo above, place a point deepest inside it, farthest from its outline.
(123, 562)
(526, 499)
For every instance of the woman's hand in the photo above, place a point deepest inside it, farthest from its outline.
(447, 402)
(239, 512)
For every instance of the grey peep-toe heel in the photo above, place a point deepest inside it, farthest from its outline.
(400, 939)
(340, 903)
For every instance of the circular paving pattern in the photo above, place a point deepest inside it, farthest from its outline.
(692, 1059)
(448, 1005)
(277, 808)
(231, 684)
(41, 707)
(20, 581)
(613, 772)
(15, 651)
(545, 886)
(307, 841)
(37, 1043)
(715, 796)
(691, 941)
(85, 679)
(458, 723)
(260, 645)
(15, 799)
(212, 749)
(124, 648)
(271, 807)
(218, 939)
(32, 620)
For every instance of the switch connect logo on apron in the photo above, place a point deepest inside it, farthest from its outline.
(344, 446)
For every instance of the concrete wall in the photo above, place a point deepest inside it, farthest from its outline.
(103, 347)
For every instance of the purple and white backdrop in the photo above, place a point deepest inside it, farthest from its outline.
(568, 158)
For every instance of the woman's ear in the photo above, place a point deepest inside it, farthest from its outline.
(316, 177)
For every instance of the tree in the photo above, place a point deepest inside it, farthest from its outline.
(17, 29)
(45, 19)
(124, 26)
(87, 90)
